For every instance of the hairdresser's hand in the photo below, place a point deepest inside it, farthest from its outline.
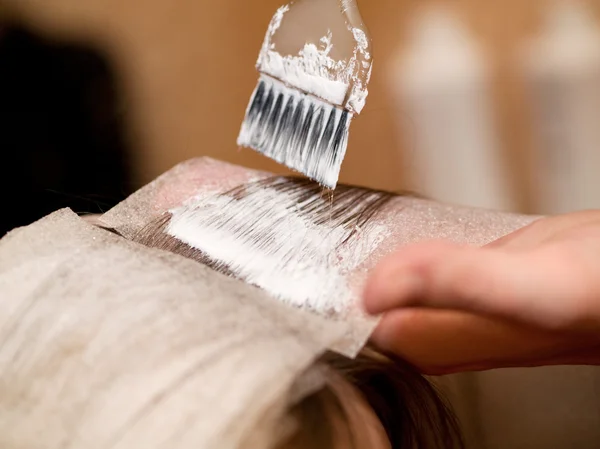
(530, 298)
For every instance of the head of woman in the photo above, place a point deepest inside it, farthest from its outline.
(375, 400)
(372, 401)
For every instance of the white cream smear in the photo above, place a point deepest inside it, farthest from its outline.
(315, 72)
(269, 238)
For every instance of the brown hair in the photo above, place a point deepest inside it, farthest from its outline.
(411, 411)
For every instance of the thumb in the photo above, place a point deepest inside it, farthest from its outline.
(534, 286)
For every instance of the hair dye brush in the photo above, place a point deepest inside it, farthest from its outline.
(315, 64)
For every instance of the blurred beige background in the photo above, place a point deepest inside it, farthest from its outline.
(187, 70)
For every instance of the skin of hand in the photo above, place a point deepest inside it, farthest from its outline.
(531, 298)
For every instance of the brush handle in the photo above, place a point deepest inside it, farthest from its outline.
(352, 12)
(326, 39)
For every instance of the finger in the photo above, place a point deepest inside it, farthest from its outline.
(534, 287)
(544, 229)
(405, 278)
(442, 342)
(397, 280)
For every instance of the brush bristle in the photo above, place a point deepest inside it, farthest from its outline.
(300, 131)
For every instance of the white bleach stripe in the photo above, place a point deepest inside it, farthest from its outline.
(266, 240)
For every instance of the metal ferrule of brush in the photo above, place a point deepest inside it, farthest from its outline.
(315, 65)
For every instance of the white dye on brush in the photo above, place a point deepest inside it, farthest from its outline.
(300, 113)
(310, 71)
(298, 130)
(359, 93)
(275, 238)
(315, 72)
